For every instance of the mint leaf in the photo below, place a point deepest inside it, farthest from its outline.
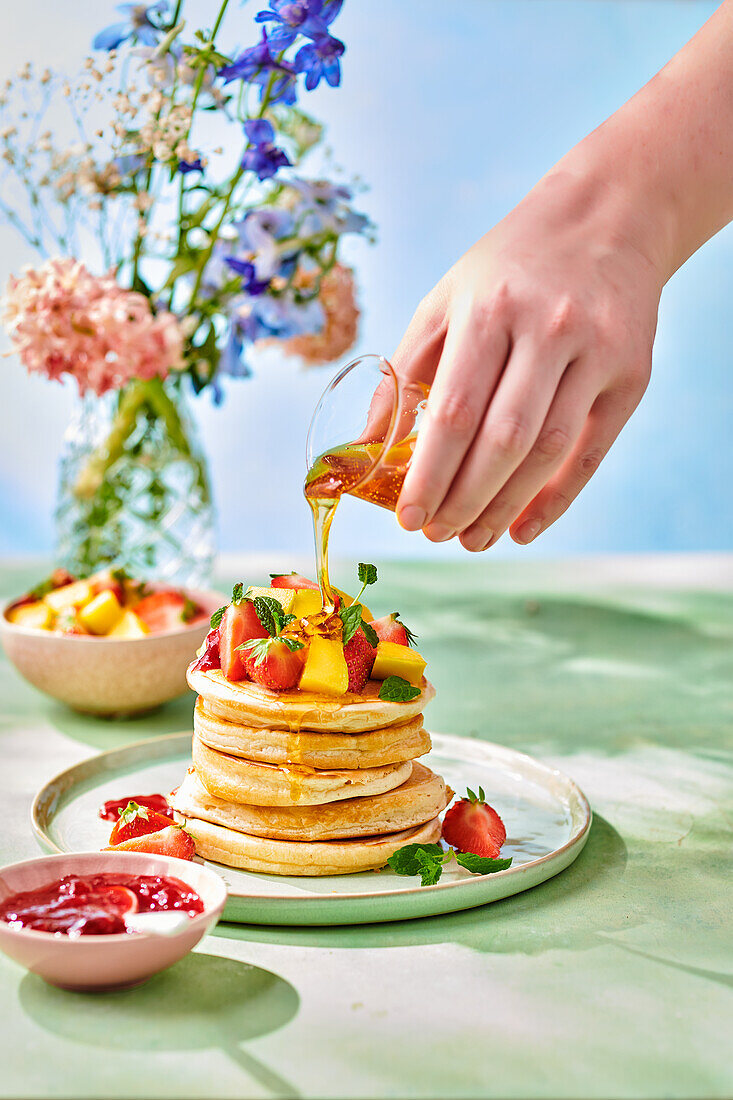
(238, 592)
(371, 635)
(481, 865)
(351, 618)
(270, 613)
(397, 690)
(425, 860)
(367, 574)
(217, 617)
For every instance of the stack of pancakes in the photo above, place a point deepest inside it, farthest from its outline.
(293, 783)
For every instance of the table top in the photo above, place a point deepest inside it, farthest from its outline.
(611, 980)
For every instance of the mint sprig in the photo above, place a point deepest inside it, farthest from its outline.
(427, 861)
(270, 613)
(395, 689)
(367, 575)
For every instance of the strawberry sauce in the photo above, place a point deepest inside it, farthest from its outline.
(158, 803)
(96, 905)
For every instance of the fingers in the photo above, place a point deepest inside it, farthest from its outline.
(562, 427)
(512, 423)
(606, 419)
(474, 354)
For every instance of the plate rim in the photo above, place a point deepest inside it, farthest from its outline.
(577, 837)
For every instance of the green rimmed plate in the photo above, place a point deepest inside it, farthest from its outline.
(547, 818)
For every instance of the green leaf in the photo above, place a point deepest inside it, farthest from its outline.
(471, 796)
(42, 589)
(189, 610)
(218, 616)
(371, 635)
(131, 812)
(270, 613)
(367, 573)
(260, 647)
(351, 618)
(411, 638)
(425, 860)
(481, 865)
(238, 592)
(397, 690)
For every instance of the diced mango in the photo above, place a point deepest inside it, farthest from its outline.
(286, 596)
(37, 616)
(325, 669)
(398, 660)
(102, 613)
(69, 595)
(307, 602)
(129, 625)
(348, 600)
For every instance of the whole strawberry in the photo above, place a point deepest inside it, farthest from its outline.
(275, 663)
(390, 628)
(359, 656)
(471, 825)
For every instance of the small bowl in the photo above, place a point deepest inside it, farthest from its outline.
(106, 962)
(111, 677)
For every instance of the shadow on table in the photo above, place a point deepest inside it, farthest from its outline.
(573, 910)
(112, 733)
(202, 1002)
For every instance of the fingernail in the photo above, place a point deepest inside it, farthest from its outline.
(439, 532)
(528, 531)
(411, 517)
(478, 540)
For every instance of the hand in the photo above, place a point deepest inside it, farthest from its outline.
(537, 344)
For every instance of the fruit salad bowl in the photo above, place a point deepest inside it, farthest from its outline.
(109, 676)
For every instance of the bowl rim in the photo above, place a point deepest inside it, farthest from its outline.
(207, 595)
(118, 938)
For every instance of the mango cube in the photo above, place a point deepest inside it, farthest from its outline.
(307, 602)
(69, 596)
(102, 613)
(37, 616)
(398, 660)
(129, 625)
(285, 596)
(325, 671)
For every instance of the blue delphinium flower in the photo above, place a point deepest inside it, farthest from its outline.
(137, 25)
(231, 360)
(257, 66)
(324, 208)
(320, 59)
(280, 318)
(262, 156)
(130, 164)
(250, 283)
(310, 18)
(186, 166)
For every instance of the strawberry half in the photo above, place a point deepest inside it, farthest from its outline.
(474, 826)
(137, 820)
(239, 624)
(209, 657)
(359, 656)
(275, 663)
(163, 611)
(290, 580)
(390, 629)
(173, 841)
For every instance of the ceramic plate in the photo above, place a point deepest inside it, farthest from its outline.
(547, 818)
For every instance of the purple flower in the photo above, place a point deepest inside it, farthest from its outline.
(136, 25)
(257, 66)
(318, 59)
(262, 155)
(250, 283)
(281, 317)
(231, 360)
(310, 18)
(324, 208)
(186, 166)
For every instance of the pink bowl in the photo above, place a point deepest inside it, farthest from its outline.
(106, 962)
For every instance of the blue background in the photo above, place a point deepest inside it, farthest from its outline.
(451, 111)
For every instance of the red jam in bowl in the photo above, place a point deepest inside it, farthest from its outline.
(158, 803)
(96, 905)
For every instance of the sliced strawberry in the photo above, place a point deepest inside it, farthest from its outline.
(209, 657)
(275, 664)
(359, 657)
(290, 580)
(137, 820)
(238, 625)
(173, 841)
(474, 826)
(390, 629)
(162, 610)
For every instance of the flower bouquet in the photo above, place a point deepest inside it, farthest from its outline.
(196, 249)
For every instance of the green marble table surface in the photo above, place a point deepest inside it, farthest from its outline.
(612, 980)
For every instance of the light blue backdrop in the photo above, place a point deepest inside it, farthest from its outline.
(451, 111)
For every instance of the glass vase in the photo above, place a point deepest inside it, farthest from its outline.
(134, 488)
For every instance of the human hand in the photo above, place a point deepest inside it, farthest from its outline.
(537, 345)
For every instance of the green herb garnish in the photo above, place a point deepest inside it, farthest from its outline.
(395, 689)
(217, 617)
(427, 861)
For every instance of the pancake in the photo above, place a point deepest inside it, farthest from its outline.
(419, 799)
(295, 857)
(390, 745)
(250, 704)
(238, 780)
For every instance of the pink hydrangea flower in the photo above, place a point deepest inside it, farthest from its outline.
(63, 320)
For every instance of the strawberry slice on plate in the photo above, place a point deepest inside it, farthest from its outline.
(359, 657)
(137, 820)
(239, 624)
(290, 580)
(275, 663)
(390, 628)
(471, 825)
(173, 841)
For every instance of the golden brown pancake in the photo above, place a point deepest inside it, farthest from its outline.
(258, 784)
(296, 857)
(249, 704)
(389, 745)
(419, 799)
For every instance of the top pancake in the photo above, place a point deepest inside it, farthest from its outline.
(253, 705)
